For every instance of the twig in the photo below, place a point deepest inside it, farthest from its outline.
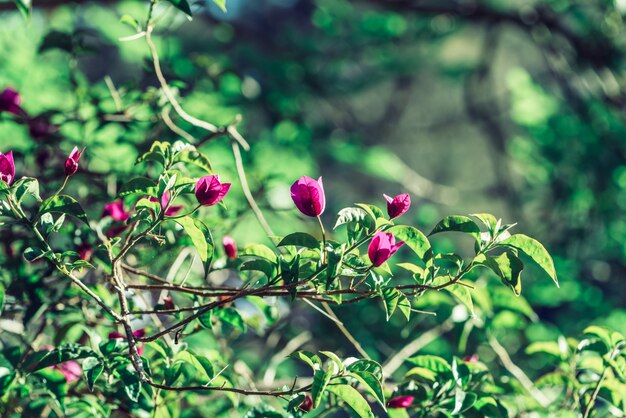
(416, 345)
(518, 373)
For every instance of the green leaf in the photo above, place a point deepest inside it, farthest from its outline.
(507, 266)
(33, 254)
(195, 157)
(42, 359)
(182, 5)
(334, 264)
(357, 215)
(221, 4)
(458, 224)
(372, 384)
(132, 384)
(309, 358)
(300, 239)
(2, 297)
(7, 377)
(260, 250)
(320, 382)
(394, 298)
(92, 368)
(202, 366)
(63, 204)
(24, 186)
(415, 240)
(25, 7)
(366, 365)
(139, 185)
(259, 264)
(487, 219)
(335, 358)
(231, 316)
(159, 151)
(430, 362)
(533, 249)
(200, 237)
(353, 398)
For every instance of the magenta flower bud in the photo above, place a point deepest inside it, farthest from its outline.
(308, 195)
(85, 251)
(400, 402)
(168, 303)
(209, 190)
(230, 247)
(382, 247)
(398, 205)
(165, 199)
(471, 359)
(7, 168)
(307, 403)
(71, 164)
(116, 211)
(70, 369)
(10, 101)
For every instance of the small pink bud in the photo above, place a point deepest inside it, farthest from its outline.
(85, 251)
(471, 359)
(10, 101)
(116, 211)
(230, 247)
(400, 402)
(209, 190)
(382, 247)
(307, 403)
(70, 369)
(71, 164)
(308, 195)
(40, 127)
(398, 205)
(168, 303)
(7, 168)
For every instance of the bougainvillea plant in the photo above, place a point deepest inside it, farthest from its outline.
(173, 202)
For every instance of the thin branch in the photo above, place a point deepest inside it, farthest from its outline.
(518, 373)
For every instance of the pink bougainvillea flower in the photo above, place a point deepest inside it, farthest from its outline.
(230, 247)
(116, 211)
(40, 127)
(10, 101)
(382, 247)
(398, 205)
(168, 303)
(7, 168)
(307, 403)
(70, 369)
(85, 251)
(471, 359)
(400, 402)
(165, 199)
(71, 164)
(140, 333)
(209, 190)
(308, 195)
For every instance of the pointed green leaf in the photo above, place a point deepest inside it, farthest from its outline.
(353, 398)
(533, 249)
(415, 240)
(200, 237)
(458, 224)
(63, 204)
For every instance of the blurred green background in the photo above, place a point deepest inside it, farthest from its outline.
(509, 107)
